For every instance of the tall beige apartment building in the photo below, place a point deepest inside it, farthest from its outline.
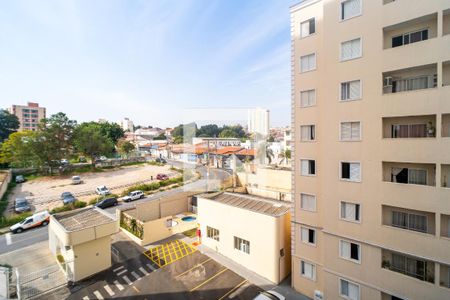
(371, 137)
(29, 115)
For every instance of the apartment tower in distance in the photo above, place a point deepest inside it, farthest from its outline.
(371, 125)
(29, 115)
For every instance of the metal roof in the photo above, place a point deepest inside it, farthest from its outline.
(86, 218)
(252, 203)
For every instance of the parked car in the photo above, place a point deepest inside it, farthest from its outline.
(38, 219)
(269, 295)
(102, 190)
(134, 195)
(67, 197)
(161, 160)
(20, 179)
(64, 162)
(162, 177)
(76, 180)
(21, 205)
(108, 202)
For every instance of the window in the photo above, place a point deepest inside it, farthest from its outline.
(308, 202)
(351, 90)
(308, 235)
(414, 83)
(350, 211)
(350, 251)
(409, 221)
(409, 38)
(350, 8)
(351, 49)
(308, 167)
(350, 171)
(212, 233)
(409, 131)
(349, 290)
(241, 245)
(410, 266)
(308, 270)
(307, 28)
(350, 131)
(409, 176)
(308, 63)
(307, 98)
(308, 133)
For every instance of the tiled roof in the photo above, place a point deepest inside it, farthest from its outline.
(82, 219)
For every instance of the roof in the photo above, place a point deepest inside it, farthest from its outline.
(256, 204)
(82, 219)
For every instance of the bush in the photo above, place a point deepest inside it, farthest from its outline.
(60, 258)
(143, 187)
(8, 221)
(69, 207)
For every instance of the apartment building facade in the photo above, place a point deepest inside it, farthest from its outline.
(29, 115)
(371, 140)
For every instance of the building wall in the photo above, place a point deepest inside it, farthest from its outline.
(267, 236)
(372, 192)
(91, 257)
(267, 182)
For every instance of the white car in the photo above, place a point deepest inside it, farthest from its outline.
(76, 180)
(38, 219)
(102, 190)
(269, 295)
(134, 195)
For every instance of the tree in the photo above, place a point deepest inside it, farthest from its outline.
(285, 155)
(162, 136)
(211, 130)
(112, 131)
(9, 123)
(269, 154)
(90, 141)
(271, 139)
(19, 151)
(228, 133)
(125, 147)
(184, 133)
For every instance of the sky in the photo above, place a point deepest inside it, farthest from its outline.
(150, 61)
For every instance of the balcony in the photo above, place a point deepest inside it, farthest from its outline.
(411, 31)
(408, 265)
(445, 176)
(408, 219)
(444, 276)
(409, 173)
(409, 127)
(445, 226)
(446, 73)
(410, 79)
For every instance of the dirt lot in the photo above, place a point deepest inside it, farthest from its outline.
(43, 193)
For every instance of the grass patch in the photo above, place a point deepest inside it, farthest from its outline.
(191, 233)
(71, 206)
(155, 163)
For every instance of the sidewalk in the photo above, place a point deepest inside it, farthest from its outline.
(283, 288)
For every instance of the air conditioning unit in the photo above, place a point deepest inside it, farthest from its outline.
(318, 295)
(387, 81)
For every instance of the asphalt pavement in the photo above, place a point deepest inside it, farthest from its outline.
(10, 242)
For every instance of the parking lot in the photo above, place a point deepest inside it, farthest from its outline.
(44, 192)
(190, 275)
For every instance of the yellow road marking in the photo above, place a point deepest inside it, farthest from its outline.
(199, 264)
(233, 289)
(136, 289)
(168, 253)
(208, 280)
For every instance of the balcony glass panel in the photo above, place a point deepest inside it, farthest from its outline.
(409, 173)
(408, 265)
(409, 127)
(410, 79)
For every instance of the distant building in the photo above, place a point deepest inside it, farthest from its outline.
(258, 121)
(102, 121)
(127, 125)
(29, 115)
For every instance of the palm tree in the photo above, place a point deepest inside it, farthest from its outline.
(285, 155)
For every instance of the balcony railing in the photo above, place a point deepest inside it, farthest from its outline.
(408, 265)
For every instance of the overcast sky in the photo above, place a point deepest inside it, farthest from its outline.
(146, 60)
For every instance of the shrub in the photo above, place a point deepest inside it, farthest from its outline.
(60, 258)
(8, 221)
(68, 207)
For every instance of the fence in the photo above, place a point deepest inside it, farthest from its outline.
(5, 178)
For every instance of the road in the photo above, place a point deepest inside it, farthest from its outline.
(10, 242)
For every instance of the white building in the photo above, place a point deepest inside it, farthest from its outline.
(258, 121)
(127, 125)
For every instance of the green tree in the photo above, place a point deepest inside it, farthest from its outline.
(9, 123)
(125, 147)
(90, 141)
(19, 151)
(285, 155)
(162, 136)
(211, 130)
(228, 133)
(112, 131)
(184, 133)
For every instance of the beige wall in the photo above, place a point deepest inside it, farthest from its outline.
(267, 236)
(18, 111)
(267, 182)
(156, 230)
(91, 257)
(372, 192)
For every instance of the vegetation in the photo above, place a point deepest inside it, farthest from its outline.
(125, 147)
(187, 131)
(9, 123)
(131, 225)
(9, 221)
(162, 136)
(191, 233)
(69, 207)
(4, 200)
(90, 141)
